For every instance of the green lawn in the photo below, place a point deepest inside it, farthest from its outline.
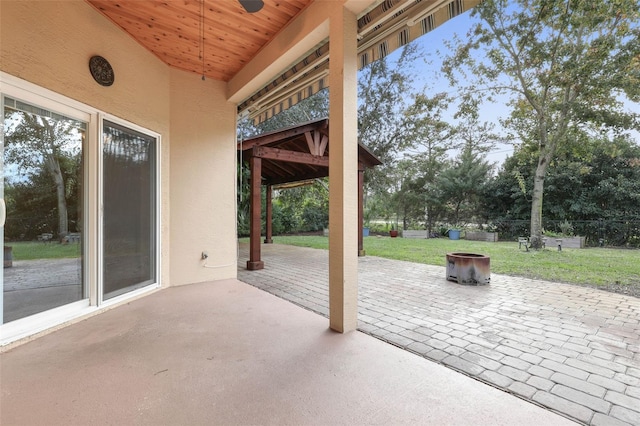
(40, 250)
(593, 266)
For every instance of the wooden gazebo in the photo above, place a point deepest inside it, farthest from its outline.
(293, 154)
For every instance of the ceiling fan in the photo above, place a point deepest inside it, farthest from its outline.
(252, 6)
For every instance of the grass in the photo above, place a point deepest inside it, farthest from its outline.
(39, 250)
(590, 266)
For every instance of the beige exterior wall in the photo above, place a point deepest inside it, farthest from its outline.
(49, 43)
(203, 170)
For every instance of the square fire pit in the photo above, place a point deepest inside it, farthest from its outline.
(468, 268)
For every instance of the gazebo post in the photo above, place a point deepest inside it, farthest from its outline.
(254, 263)
(361, 251)
(269, 219)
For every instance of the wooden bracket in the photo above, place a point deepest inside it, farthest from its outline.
(317, 142)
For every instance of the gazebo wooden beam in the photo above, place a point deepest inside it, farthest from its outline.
(306, 176)
(317, 142)
(289, 156)
(284, 134)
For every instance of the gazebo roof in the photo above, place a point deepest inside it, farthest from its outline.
(297, 153)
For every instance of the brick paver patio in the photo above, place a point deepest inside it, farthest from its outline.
(574, 350)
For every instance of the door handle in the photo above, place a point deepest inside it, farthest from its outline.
(3, 212)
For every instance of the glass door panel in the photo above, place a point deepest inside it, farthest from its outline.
(42, 168)
(129, 200)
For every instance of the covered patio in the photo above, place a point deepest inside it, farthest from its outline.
(226, 353)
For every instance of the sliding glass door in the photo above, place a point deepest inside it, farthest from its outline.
(43, 180)
(129, 206)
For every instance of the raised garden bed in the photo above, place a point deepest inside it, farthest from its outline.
(414, 233)
(490, 237)
(572, 242)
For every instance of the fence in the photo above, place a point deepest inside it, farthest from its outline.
(613, 233)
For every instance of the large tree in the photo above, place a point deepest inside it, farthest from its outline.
(564, 62)
(34, 144)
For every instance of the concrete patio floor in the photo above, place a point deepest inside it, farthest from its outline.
(226, 353)
(574, 350)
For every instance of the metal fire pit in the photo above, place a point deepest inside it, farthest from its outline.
(468, 268)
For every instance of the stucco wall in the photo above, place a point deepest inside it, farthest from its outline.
(49, 43)
(203, 153)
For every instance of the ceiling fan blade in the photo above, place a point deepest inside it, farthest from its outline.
(252, 6)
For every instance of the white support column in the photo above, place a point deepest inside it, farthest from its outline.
(343, 169)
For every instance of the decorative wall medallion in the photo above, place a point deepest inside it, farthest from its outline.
(101, 70)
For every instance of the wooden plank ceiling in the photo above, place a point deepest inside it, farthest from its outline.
(214, 38)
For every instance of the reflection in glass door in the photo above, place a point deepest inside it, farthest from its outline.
(42, 181)
(129, 200)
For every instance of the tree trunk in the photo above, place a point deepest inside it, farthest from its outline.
(457, 214)
(429, 221)
(63, 218)
(53, 166)
(536, 203)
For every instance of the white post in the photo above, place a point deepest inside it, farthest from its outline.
(343, 170)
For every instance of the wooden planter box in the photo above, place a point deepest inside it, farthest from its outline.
(414, 233)
(491, 237)
(572, 242)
